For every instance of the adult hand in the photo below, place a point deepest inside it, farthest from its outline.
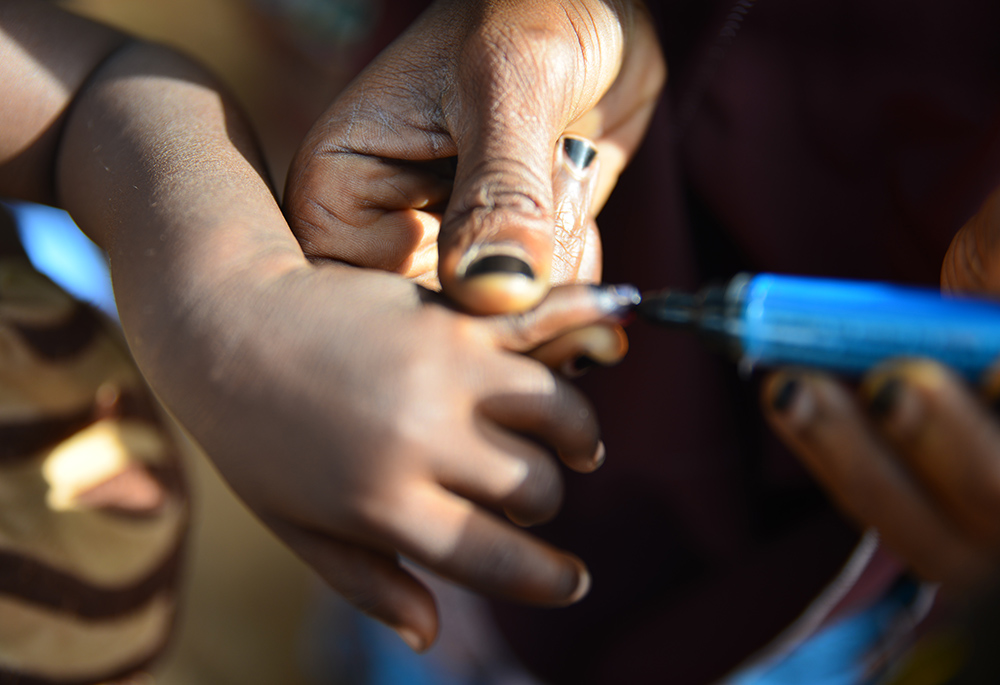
(497, 85)
(915, 452)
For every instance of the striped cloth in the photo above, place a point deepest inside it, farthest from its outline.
(93, 507)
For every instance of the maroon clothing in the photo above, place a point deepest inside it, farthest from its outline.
(846, 138)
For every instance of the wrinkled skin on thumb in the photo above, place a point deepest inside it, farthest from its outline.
(445, 160)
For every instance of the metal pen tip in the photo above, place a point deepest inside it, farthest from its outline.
(669, 308)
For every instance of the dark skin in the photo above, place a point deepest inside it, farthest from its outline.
(915, 452)
(925, 471)
(321, 392)
(495, 84)
(236, 329)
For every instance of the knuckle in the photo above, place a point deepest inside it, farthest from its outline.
(498, 190)
(506, 56)
(373, 512)
(520, 329)
(363, 594)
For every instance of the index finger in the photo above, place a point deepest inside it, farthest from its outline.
(567, 308)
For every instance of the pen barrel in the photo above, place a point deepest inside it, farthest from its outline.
(850, 326)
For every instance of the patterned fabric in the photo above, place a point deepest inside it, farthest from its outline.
(93, 507)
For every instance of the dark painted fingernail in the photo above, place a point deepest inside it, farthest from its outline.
(499, 264)
(620, 299)
(579, 152)
(576, 367)
(886, 398)
(785, 394)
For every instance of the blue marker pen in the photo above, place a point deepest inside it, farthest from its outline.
(843, 326)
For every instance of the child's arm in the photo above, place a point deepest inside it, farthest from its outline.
(45, 57)
(359, 417)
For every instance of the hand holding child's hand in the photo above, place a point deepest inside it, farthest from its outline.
(359, 416)
(497, 85)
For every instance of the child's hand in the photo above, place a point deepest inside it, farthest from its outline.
(364, 421)
(359, 417)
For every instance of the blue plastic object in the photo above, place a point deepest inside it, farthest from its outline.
(62, 252)
(849, 326)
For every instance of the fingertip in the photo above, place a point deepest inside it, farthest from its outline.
(594, 462)
(578, 351)
(788, 398)
(924, 372)
(902, 395)
(582, 588)
(571, 321)
(585, 462)
(619, 299)
(573, 583)
(418, 628)
(373, 582)
(496, 278)
(499, 265)
(883, 385)
(578, 156)
(881, 391)
(783, 393)
(581, 582)
(570, 583)
(600, 455)
(414, 640)
(497, 293)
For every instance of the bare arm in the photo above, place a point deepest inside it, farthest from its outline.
(45, 57)
(322, 394)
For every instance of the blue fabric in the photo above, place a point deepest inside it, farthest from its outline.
(349, 648)
(840, 653)
(59, 250)
(391, 662)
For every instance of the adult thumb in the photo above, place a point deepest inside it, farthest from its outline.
(516, 93)
(499, 235)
